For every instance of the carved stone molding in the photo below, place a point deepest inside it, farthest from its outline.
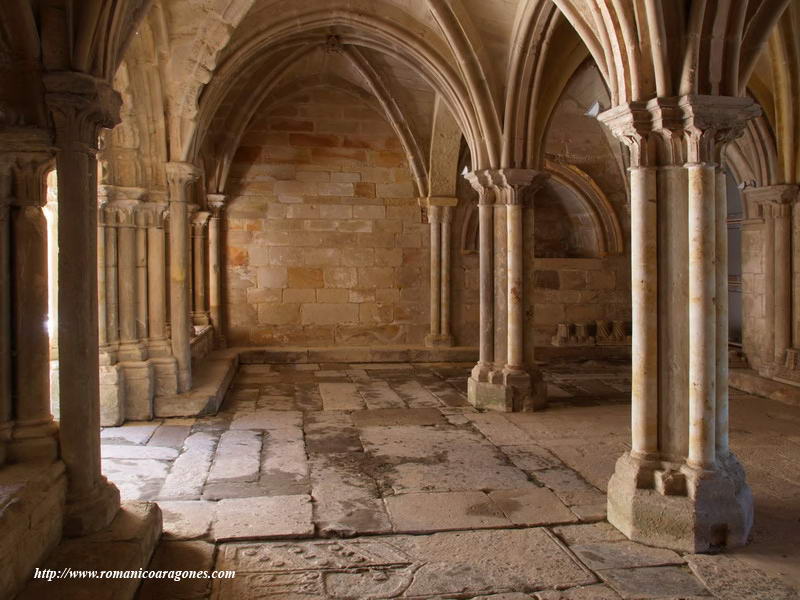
(180, 175)
(679, 130)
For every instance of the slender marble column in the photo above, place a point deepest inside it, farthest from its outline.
(156, 280)
(6, 387)
(199, 230)
(444, 327)
(80, 106)
(434, 218)
(721, 280)
(769, 280)
(679, 486)
(180, 176)
(102, 294)
(33, 435)
(112, 297)
(781, 213)
(216, 202)
(141, 276)
(482, 184)
(644, 300)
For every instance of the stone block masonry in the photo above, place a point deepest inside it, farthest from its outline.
(326, 243)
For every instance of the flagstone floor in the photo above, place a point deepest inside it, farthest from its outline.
(380, 481)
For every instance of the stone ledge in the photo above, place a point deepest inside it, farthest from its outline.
(355, 354)
(125, 545)
(751, 382)
(31, 518)
(212, 377)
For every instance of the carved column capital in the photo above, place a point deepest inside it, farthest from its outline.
(516, 186)
(122, 204)
(200, 220)
(481, 182)
(22, 172)
(180, 175)
(216, 204)
(81, 106)
(675, 131)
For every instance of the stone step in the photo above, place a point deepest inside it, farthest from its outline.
(125, 545)
(357, 354)
(212, 376)
(751, 382)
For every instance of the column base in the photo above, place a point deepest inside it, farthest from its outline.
(92, 512)
(33, 441)
(673, 506)
(438, 339)
(139, 390)
(159, 348)
(508, 390)
(112, 396)
(201, 319)
(131, 351)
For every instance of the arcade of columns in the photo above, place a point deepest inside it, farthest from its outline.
(158, 278)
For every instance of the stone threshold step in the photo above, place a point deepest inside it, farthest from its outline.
(125, 545)
(356, 354)
(748, 380)
(212, 376)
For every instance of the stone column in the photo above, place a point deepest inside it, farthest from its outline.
(180, 176)
(480, 373)
(80, 106)
(679, 486)
(125, 203)
(25, 362)
(216, 202)
(6, 386)
(156, 279)
(141, 275)
(510, 384)
(439, 209)
(777, 202)
(444, 326)
(199, 229)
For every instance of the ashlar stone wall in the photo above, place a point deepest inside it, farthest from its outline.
(325, 241)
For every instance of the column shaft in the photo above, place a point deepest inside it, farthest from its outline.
(486, 273)
(515, 286)
(782, 314)
(435, 270)
(444, 328)
(214, 282)
(91, 501)
(644, 307)
(141, 282)
(769, 280)
(102, 293)
(721, 280)
(127, 283)
(200, 312)
(5, 318)
(702, 319)
(156, 282)
(112, 303)
(180, 176)
(33, 428)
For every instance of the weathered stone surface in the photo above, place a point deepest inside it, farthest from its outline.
(529, 457)
(131, 452)
(237, 457)
(730, 579)
(466, 564)
(263, 518)
(340, 396)
(620, 555)
(188, 473)
(284, 468)
(397, 416)
(129, 433)
(171, 434)
(531, 506)
(654, 582)
(379, 394)
(186, 519)
(419, 513)
(499, 430)
(268, 420)
(415, 395)
(588, 592)
(179, 556)
(139, 479)
(433, 459)
(588, 534)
